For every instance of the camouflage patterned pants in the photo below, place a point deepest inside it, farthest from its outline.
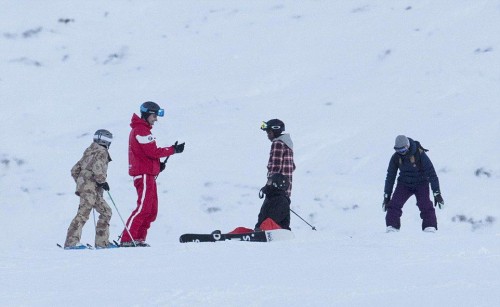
(87, 202)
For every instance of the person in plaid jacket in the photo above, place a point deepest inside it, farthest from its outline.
(281, 155)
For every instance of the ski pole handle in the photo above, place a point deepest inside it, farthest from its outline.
(166, 159)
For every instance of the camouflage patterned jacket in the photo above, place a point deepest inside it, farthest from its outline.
(91, 169)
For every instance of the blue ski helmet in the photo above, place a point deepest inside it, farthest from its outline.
(149, 108)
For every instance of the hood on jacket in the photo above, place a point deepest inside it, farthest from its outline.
(95, 148)
(413, 147)
(285, 138)
(136, 121)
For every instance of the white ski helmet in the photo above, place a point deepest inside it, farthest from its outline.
(103, 137)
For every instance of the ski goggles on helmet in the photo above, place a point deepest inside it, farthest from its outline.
(159, 112)
(264, 127)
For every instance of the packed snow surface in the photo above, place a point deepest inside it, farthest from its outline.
(346, 77)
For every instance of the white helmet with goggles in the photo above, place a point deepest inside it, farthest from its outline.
(103, 137)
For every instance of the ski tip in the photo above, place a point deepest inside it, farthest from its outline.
(279, 235)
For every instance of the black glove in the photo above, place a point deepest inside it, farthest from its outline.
(385, 204)
(438, 199)
(264, 190)
(178, 147)
(162, 166)
(104, 186)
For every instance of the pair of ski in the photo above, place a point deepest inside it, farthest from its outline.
(88, 246)
(216, 236)
(255, 236)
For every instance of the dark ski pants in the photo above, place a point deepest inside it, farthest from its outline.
(279, 212)
(424, 204)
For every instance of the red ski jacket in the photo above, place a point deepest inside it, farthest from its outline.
(143, 154)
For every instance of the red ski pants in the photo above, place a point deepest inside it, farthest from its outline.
(147, 208)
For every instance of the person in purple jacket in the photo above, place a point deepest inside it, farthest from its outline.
(416, 172)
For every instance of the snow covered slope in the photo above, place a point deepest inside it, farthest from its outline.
(345, 76)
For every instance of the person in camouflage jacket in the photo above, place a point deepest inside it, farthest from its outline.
(90, 174)
(281, 154)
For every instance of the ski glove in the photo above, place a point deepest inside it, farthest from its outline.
(385, 204)
(162, 166)
(264, 191)
(438, 199)
(178, 147)
(104, 186)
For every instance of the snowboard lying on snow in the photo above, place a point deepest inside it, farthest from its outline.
(253, 236)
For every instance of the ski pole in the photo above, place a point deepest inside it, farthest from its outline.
(313, 228)
(95, 225)
(166, 159)
(126, 228)
(165, 162)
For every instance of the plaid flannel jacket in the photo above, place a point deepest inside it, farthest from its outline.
(281, 161)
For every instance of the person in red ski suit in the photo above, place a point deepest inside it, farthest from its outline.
(144, 165)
